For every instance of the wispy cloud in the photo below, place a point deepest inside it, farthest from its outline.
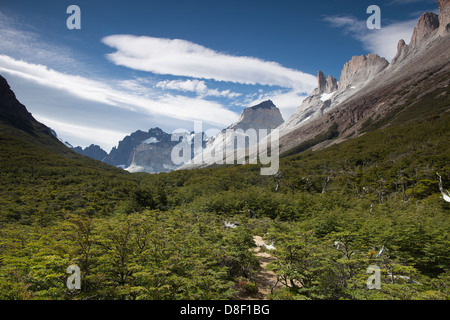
(184, 58)
(196, 86)
(99, 91)
(23, 42)
(383, 42)
(37, 61)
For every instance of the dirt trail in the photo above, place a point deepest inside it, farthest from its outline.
(265, 279)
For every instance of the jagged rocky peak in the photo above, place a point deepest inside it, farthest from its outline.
(427, 24)
(123, 154)
(402, 51)
(325, 85)
(321, 82)
(268, 104)
(361, 69)
(93, 151)
(262, 116)
(332, 84)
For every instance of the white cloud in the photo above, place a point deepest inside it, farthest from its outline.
(197, 86)
(136, 85)
(350, 24)
(183, 58)
(383, 41)
(176, 106)
(223, 93)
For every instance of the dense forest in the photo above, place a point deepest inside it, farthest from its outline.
(331, 213)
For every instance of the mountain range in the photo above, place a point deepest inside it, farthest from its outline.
(371, 88)
(361, 182)
(369, 93)
(151, 151)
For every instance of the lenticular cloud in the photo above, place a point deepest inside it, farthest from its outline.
(183, 58)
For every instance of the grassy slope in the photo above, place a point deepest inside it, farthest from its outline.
(41, 177)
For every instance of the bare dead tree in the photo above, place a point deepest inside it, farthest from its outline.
(324, 187)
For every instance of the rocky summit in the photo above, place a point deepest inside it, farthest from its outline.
(93, 151)
(262, 116)
(360, 69)
(144, 151)
(355, 74)
(325, 85)
(427, 24)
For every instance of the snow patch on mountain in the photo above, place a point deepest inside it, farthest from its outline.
(150, 140)
(326, 96)
(133, 168)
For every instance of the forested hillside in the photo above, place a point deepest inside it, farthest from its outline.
(373, 200)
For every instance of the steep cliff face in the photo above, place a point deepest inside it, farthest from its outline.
(430, 28)
(444, 17)
(154, 155)
(325, 85)
(360, 70)
(13, 113)
(402, 52)
(262, 116)
(122, 154)
(426, 26)
(144, 151)
(329, 93)
(332, 84)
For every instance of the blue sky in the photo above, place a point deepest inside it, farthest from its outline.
(143, 64)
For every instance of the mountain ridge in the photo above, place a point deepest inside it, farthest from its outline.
(263, 116)
(16, 120)
(423, 64)
(93, 151)
(347, 104)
